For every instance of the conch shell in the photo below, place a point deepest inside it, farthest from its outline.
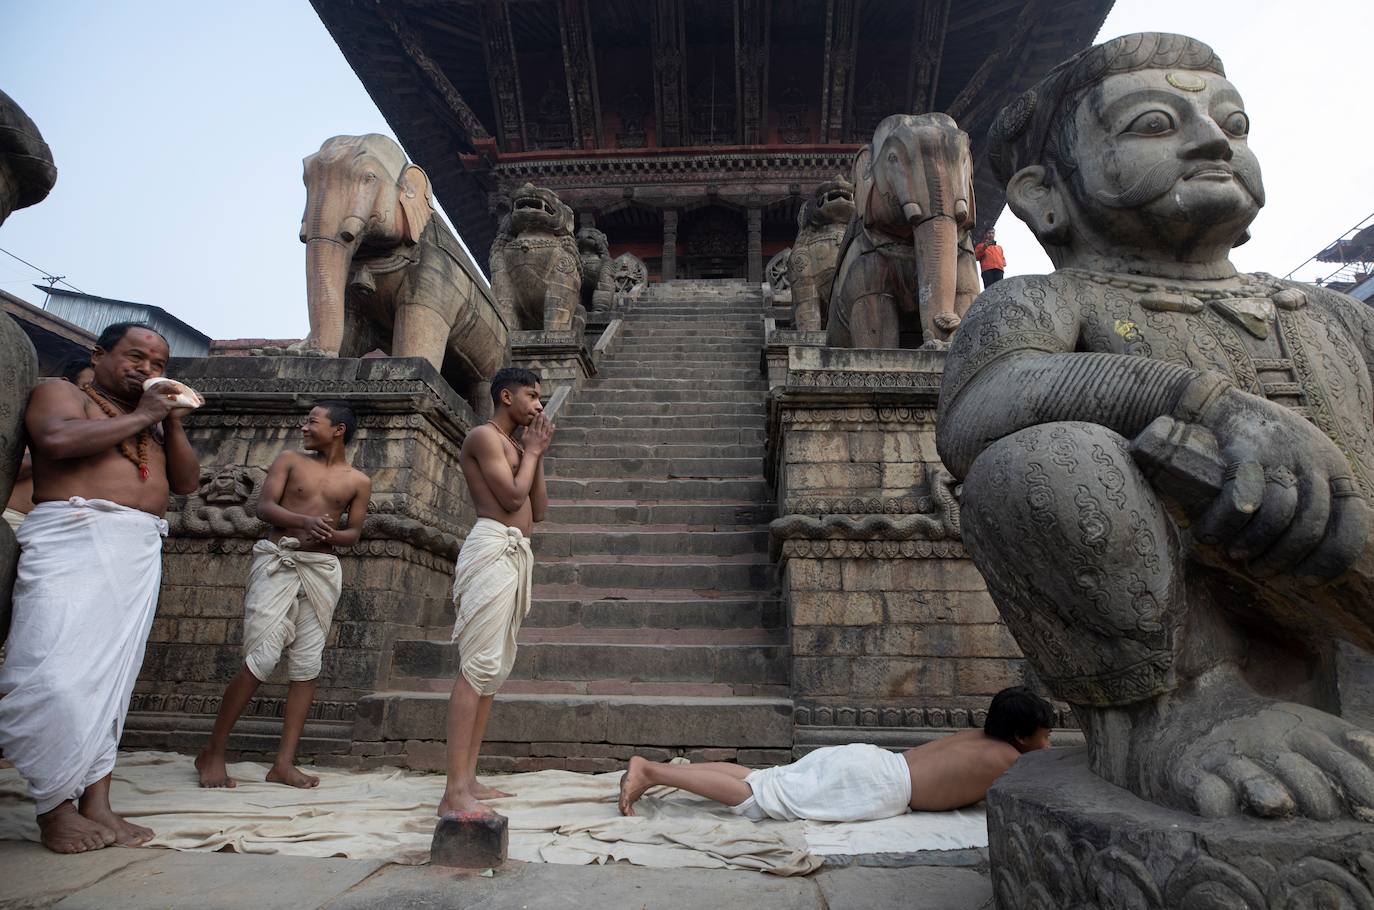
(186, 397)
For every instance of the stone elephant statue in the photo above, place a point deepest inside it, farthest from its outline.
(598, 274)
(536, 271)
(383, 271)
(906, 264)
(27, 175)
(821, 224)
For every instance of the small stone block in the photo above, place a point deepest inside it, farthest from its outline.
(472, 840)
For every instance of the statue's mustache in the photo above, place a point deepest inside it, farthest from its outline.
(1161, 177)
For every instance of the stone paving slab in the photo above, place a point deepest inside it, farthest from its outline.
(222, 881)
(33, 876)
(919, 888)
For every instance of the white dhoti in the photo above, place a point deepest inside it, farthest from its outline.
(14, 518)
(491, 590)
(853, 783)
(288, 605)
(84, 600)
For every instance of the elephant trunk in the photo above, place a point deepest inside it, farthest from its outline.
(326, 273)
(937, 255)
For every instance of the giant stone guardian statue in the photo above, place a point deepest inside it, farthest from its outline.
(1168, 464)
(27, 175)
(598, 274)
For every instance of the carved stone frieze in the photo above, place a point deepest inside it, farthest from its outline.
(208, 705)
(827, 715)
(872, 549)
(859, 415)
(775, 273)
(375, 547)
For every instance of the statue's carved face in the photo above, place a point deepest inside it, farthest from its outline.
(228, 486)
(833, 201)
(592, 242)
(1167, 146)
(534, 208)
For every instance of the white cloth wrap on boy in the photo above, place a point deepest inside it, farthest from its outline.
(853, 783)
(288, 603)
(89, 572)
(491, 590)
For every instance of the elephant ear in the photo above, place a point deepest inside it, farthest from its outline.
(971, 218)
(863, 182)
(416, 204)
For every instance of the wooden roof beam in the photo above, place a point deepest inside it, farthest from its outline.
(751, 69)
(1011, 49)
(503, 75)
(668, 43)
(927, 51)
(470, 127)
(579, 70)
(841, 39)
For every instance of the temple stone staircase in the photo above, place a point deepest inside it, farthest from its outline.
(657, 627)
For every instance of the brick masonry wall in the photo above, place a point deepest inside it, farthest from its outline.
(891, 624)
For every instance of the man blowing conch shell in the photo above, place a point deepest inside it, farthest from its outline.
(104, 459)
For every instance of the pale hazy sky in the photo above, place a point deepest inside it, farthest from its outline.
(179, 127)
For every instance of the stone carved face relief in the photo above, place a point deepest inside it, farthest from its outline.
(228, 486)
(1166, 148)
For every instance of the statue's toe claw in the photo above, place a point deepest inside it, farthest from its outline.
(1261, 793)
(1361, 744)
(1349, 770)
(1214, 797)
(1314, 791)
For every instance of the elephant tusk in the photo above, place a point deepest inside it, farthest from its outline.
(911, 212)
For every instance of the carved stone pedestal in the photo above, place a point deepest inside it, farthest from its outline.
(562, 360)
(396, 581)
(893, 634)
(1060, 836)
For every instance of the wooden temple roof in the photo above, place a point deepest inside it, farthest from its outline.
(483, 92)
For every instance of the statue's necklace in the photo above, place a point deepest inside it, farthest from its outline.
(139, 455)
(518, 447)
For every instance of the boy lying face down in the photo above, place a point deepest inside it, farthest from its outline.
(860, 782)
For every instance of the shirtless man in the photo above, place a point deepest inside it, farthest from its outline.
(491, 588)
(79, 373)
(294, 584)
(860, 782)
(104, 459)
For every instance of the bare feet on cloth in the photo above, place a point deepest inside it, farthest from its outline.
(64, 830)
(292, 777)
(213, 772)
(633, 783)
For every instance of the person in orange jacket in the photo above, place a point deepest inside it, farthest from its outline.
(991, 260)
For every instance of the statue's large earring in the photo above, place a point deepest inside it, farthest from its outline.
(1039, 205)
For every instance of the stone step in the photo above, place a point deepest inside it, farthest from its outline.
(678, 421)
(687, 514)
(599, 393)
(657, 370)
(668, 350)
(611, 614)
(666, 721)
(649, 489)
(665, 385)
(669, 408)
(719, 663)
(649, 540)
(654, 467)
(707, 329)
(566, 448)
(181, 732)
(572, 434)
(751, 572)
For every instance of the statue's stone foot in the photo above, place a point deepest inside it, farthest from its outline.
(947, 321)
(299, 349)
(1060, 836)
(1227, 753)
(935, 344)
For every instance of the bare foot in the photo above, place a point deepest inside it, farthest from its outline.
(457, 803)
(213, 773)
(633, 783)
(64, 830)
(292, 777)
(1222, 750)
(482, 791)
(126, 833)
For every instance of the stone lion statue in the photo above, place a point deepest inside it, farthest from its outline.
(821, 225)
(598, 276)
(536, 271)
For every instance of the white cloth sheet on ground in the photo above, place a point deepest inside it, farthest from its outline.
(491, 590)
(853, 783)
(555, 817)
(281, 573)
(84, 600)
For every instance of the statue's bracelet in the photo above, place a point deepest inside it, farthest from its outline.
(1199, 395)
